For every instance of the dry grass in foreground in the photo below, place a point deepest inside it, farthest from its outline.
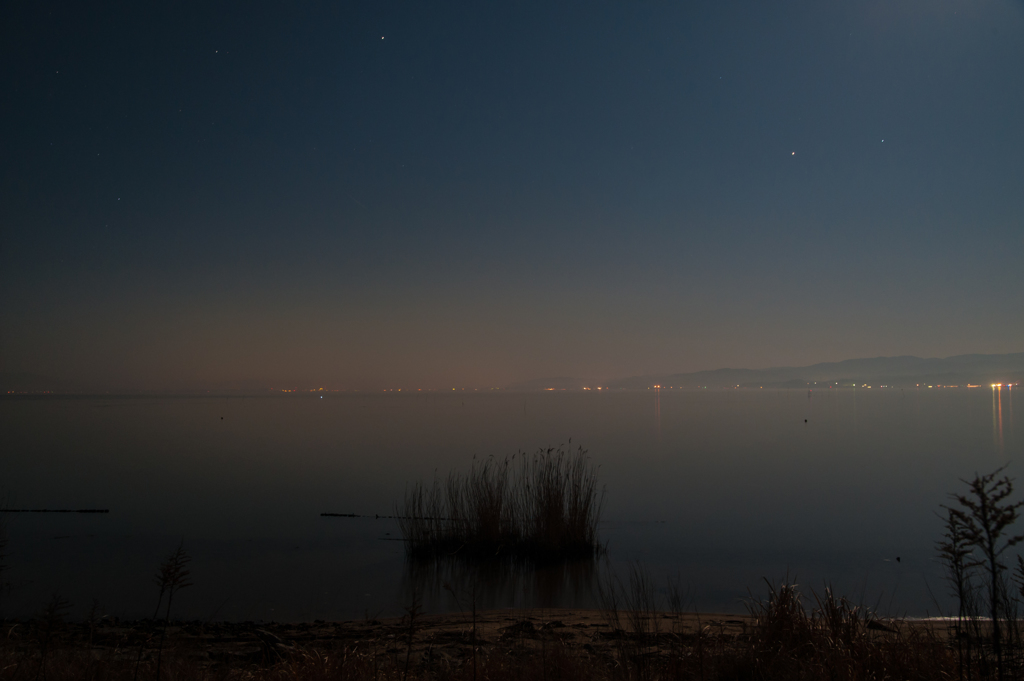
(779, 639)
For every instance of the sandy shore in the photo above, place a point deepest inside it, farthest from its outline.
(439, 637)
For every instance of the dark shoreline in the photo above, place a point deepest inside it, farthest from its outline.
(504, 644)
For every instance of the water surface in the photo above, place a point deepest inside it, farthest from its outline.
(713, 489)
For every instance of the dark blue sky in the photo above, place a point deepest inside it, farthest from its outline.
(429, 195)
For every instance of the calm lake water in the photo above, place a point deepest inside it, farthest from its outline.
(716, 490)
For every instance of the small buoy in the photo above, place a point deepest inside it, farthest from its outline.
(897, 559)
(805, 420)
(221, 418)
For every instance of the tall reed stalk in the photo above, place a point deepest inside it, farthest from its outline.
(544, 506)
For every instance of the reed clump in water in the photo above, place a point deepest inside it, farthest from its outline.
(540, 507)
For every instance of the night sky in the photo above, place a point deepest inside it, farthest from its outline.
(372, 195)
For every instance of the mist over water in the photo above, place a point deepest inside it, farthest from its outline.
(714, 489)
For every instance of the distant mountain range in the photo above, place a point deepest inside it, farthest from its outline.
(895, 371)
(898, 371)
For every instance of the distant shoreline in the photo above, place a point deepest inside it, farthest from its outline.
(900, 371)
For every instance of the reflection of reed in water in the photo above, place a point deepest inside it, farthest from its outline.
(518, 532)
(445, 584)
(544, 507)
